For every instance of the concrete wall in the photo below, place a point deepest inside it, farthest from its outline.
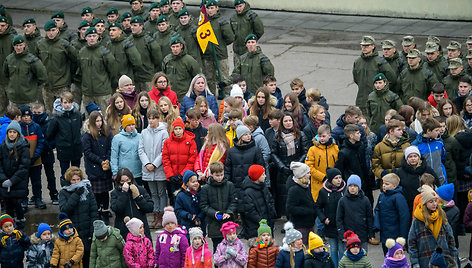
(431, 9)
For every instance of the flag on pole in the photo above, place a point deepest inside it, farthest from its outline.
(205, 32)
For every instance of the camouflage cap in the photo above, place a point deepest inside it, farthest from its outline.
(131, 1)
(112, 11)
(18, 39)
(453, 45)
(83, 24)
(153, 5)
(162, 18)
(388, 44)
(97, 21)
(164, 2)
(238, 2)
(413, 53)
(115, 24)
(175, 40)
(172, 1)
(91, 30)
(86, 10)
(469, 54)
(250, 37)
(408, 40)
(212, 3)
(29, 21)
(434, 39)
(367, 40)
(58, 15)
(469, 40)
(125, 15)
(431, 47)
(3, 19)
(49, 25)
(455, 63)
(183, 12)
(137, 19)
(379, 77)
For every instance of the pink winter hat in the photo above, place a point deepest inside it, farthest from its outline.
(169, 216)
(228, 227)
(133, 225)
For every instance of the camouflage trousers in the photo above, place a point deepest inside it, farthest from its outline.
(101, 101)
(76, 90)
(3, 99)
(209, 70)
(50, 95)
(142, 86)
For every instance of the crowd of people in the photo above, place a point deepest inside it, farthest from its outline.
(161, 135)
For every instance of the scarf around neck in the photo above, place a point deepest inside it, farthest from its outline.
(436, 220)
(289, 139)
(83, 183)
(353, 257)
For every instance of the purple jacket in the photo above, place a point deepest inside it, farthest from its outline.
(138, 251)
(171, 248)
(219, 258)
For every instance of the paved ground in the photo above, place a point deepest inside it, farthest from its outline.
(318, 48)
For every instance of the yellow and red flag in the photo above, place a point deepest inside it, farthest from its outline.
(205, 32)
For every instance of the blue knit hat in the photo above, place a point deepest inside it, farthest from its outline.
(91, 106)
(42, 228)
(187, 175)
(446, 192)
(354, 179)
(437, 259)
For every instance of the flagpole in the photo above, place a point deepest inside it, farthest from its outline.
(221, 92)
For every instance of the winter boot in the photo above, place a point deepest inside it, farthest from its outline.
(154, 222)
(159, 219)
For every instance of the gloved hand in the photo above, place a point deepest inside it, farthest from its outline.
(69, 264)
(176, 179)
(222, 85)
(134, 191)
(7, 183)
(231, 251)
(80, 190)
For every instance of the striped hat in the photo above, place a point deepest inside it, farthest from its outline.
(6, 218)
(64, 222)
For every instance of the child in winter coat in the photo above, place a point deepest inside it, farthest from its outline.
(231, 251)
(138, 248)
(355, 256)
(207, 116)
(439, 260)
(292, 253)
(214, 149)
(317, 255)
(68, 249)
(42, 244)
(107, 247)
(194, 125)
(13, 244)
(395, 257)
(172, 244)
(263, 253)
(198, 255)
(468, 225)
(187, 207)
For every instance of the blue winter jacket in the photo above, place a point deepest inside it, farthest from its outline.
(392, 216)
(186, 206)
(434, 154)
(4, 122)
(189, 102)
(283, 259)
(338, 132)
(124, 152)
(33, 132)
(280, 99)
(13, 252)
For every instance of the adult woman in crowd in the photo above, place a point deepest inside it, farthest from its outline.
(261, 105)
(467, 112)
(292, 105)
(161, 88)
(198, 87)
(143, 105)
(127, 90)
(115, 112)
(316, 118)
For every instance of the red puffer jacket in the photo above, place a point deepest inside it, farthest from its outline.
(179, 154)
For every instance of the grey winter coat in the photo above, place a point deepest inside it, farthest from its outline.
(39, 253)
(150, 152)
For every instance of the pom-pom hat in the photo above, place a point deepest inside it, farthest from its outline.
(228, 227)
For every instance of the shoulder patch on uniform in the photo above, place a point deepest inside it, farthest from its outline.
(128, 44)
(105, 51)
(252, 15)
(149, 39)
(65, 43)
(32, 58)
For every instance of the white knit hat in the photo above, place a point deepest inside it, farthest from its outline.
(197, 232)
(236, 91)
(133, 225)
(124, 80)
(299, 169)
(411, 150)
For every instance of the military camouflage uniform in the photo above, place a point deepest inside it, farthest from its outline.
(253, 66)
(127, 57)
(5, 49)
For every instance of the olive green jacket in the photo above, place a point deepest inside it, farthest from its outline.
(451, 84)
(378, 103)
(60, 59)
(127, 57)
(150, 27)
(415, 83)
(151, 56)
(189, 35)
(97, 66)
(397, 63)
(173, 18)
(163, 39)
(253, 66)
(244, 24)
(32, 41)
(225, 36)
(25, 73)
(180, 69)
(109, 253)
(439, 67)
(5, 49)
(142, 12)
(67, 34)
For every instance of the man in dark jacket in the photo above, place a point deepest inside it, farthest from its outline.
(6, 38)
(163, 35)
(64, 31)
(436, 63)
(451, 81)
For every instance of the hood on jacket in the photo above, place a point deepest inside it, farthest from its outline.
(397, 190)
(257, 132)
(316, 142)
(273, 100)
(323, 102)
(340, 189)
(130, 134)
(186, 137)
(36, 240)
(245, 146)
(4, 120)
(59, 110)
(248, 183)
(161, 127)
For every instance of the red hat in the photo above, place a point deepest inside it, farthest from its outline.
(6, 218)
(352, 240)
(178, 123)
(228, 227)
(255, 172)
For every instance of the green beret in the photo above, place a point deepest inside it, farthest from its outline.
(153, 5)
(83, 24)
(212, 3)
(49, 25)
(183, 12)
(413, 53)
(455, 63)
(29, 21)
(18, 39)
(379, 77)
(2, 11)
(162, 18)
(91, 30)
(3, 19)
(112, 11)
(163, 2)
(125, 15)
(172, 1)
(175, 40)
(58, 15)
(238, 2)
(131, 1)
(115, 24)
(203, 3)
(86, 10)
(137, 19)
(454, 45)
(97, 21)
(367, 40)
(408, 41)
(250, 37)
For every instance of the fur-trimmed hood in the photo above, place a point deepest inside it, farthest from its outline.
(273, 101)
(36, 241)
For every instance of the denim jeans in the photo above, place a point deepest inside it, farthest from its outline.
(336, 248)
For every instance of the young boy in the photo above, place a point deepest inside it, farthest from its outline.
(187, 207)
(351, 115)
(13, 244)
(274, 120)
(13, 113)
(322, 155)
(270, 83)
(317, 255)
(218, 202)
(437, 94)
(391, 212)
(258, 203)
(195, 126)
(431, 148)
(233, 117)
(64, 129)
(380, 101)
(464, 90)
(313, 97)
(446, 194)
(68, 249)
(231, 251)
(297, 87)
(107, 241)
(356, 254)
(42, 244)
(241, 81)
(263, 253)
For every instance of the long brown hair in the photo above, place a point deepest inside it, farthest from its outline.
(94, 131)
(266, 108)
(216, 135)
(427, 215)
(296, 107)
(137, 107)
(114, 115)
(294, 129)
(441, 105)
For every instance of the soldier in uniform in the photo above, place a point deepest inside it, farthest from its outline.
(97, 66)
(469, 42)
(87, 14)
(244, 23)
(164, 6)
(454, 51)
(126, 23)
(150, 52)
(188, 31)
(390, 54)
(253, 65)
(76, 86)
(59, 57)
(468, 68)
(180, 67)
(408, 43)
(25, 74)
(32, 35)
(163, 35)
(451, 81)
(6, 38)
(112, 15)
(65, 33)
(99, 24)
(137, 9)
(150, 26)
(436, 63)
(4, 13)
(177, 6)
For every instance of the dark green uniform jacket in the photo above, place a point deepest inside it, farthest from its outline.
(173, 18)
(451, 84)
(396, 63)
(97, 66)
(150, 27)
(5, 49)
(416, 83)
(180, 69)
(365, 69)
(67, 34)
(224, 35)
(25, 73)
(163, 39)
(244, 24)
(142, 12)
(189, 35)
(253, 66)
(32, 41)
(438, 67)
(151, 56)
(378, 103)
(127, 57)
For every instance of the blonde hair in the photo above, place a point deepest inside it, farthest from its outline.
(314, 94)
(455, 124)
(73, 171)
(171, 114)
(292, 253)
(314, 109)
(216, 135)
(198, 103)
(427, 215)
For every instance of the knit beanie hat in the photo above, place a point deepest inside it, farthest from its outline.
(354, 179)
(169, 216)
(124, 80)
(236, 91)
(263, 228)
(195, 232)
(127, 120)
(331, 173)
(187, 175)
(42, 228)
(446, 192)
(411, 150)
(394, 245)
(64, 222)
(291, 234)
(352, 240)
(15, 126)
(427, 194)
(133, 225)
(91, 106)
(6, 218)
(228, 227)
(299, 169)
(255, 172)
(100, 230)
(437, 259)
(241, 130)
(25, 110)
(314, 241)
(391, 178)
(178, 123)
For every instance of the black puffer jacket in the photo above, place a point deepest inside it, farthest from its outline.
(214, 197)
(239, 159)
(258, 205)
(362, 222)
(82, 213)
(326, 206)
(465, 140)
(16, 171)
(351, 160)
(95, 152)
(300, 205)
